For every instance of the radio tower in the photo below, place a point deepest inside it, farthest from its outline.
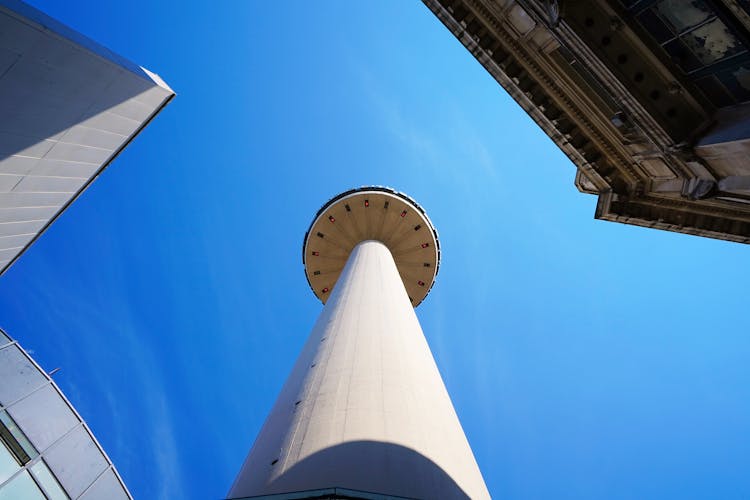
(364, 413)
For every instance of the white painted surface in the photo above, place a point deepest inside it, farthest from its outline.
(373, 412)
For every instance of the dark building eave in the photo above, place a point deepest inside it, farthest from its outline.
(661, 182)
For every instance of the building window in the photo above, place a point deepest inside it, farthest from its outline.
(15, 441)
(8, 463)
(47, 481)
(15, 452)
(20, 475)
(711, 48)
(21, 486)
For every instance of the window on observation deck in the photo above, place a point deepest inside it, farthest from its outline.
(707, 43)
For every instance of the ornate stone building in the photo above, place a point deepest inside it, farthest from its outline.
(650, 99)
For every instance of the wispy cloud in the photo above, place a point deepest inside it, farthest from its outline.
(116, 336)
(429, 148)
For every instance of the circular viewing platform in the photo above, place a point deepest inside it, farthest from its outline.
(372, 213)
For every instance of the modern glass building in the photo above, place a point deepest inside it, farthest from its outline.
(47, 451)
(68, 107)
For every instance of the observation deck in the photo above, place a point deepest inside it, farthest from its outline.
(372, 213)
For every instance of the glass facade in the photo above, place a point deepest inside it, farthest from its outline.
(47, 481)
(17, 457)
(46, 451)
(21, 487)
(8, 464)
(15, 440)
(710, 48)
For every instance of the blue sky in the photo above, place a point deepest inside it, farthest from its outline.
(585, 359)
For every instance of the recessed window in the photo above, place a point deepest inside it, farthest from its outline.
(701, 42)
(737, 80)
(403, 214)
(713, 89)
(15, 452)
(681, 55)
(325, 290)
(385, 205)
(320, 235)
(682, 15)
(316, 273)
(348, 208)
(418, 227)
(425, 245)
(426, 264)
(316, 253)
(420, 283)
(367, 203)
(331, 218)
(15, 441)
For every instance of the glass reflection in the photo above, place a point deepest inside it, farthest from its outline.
(8, 463)
(21, 487)
(45, 478)
(683, 14)
(712, 41)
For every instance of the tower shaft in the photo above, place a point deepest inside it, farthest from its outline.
(365, 407)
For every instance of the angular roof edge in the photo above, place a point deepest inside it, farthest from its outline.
(19, 8)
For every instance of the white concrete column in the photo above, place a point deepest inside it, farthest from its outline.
(365, 407)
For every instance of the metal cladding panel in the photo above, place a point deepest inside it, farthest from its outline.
(18, 375)
(24, 214)
(56, 431)
(76, 461)
(58, 417)
(68, 107)
(107, 486)
(20, 228)
(365, 407)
